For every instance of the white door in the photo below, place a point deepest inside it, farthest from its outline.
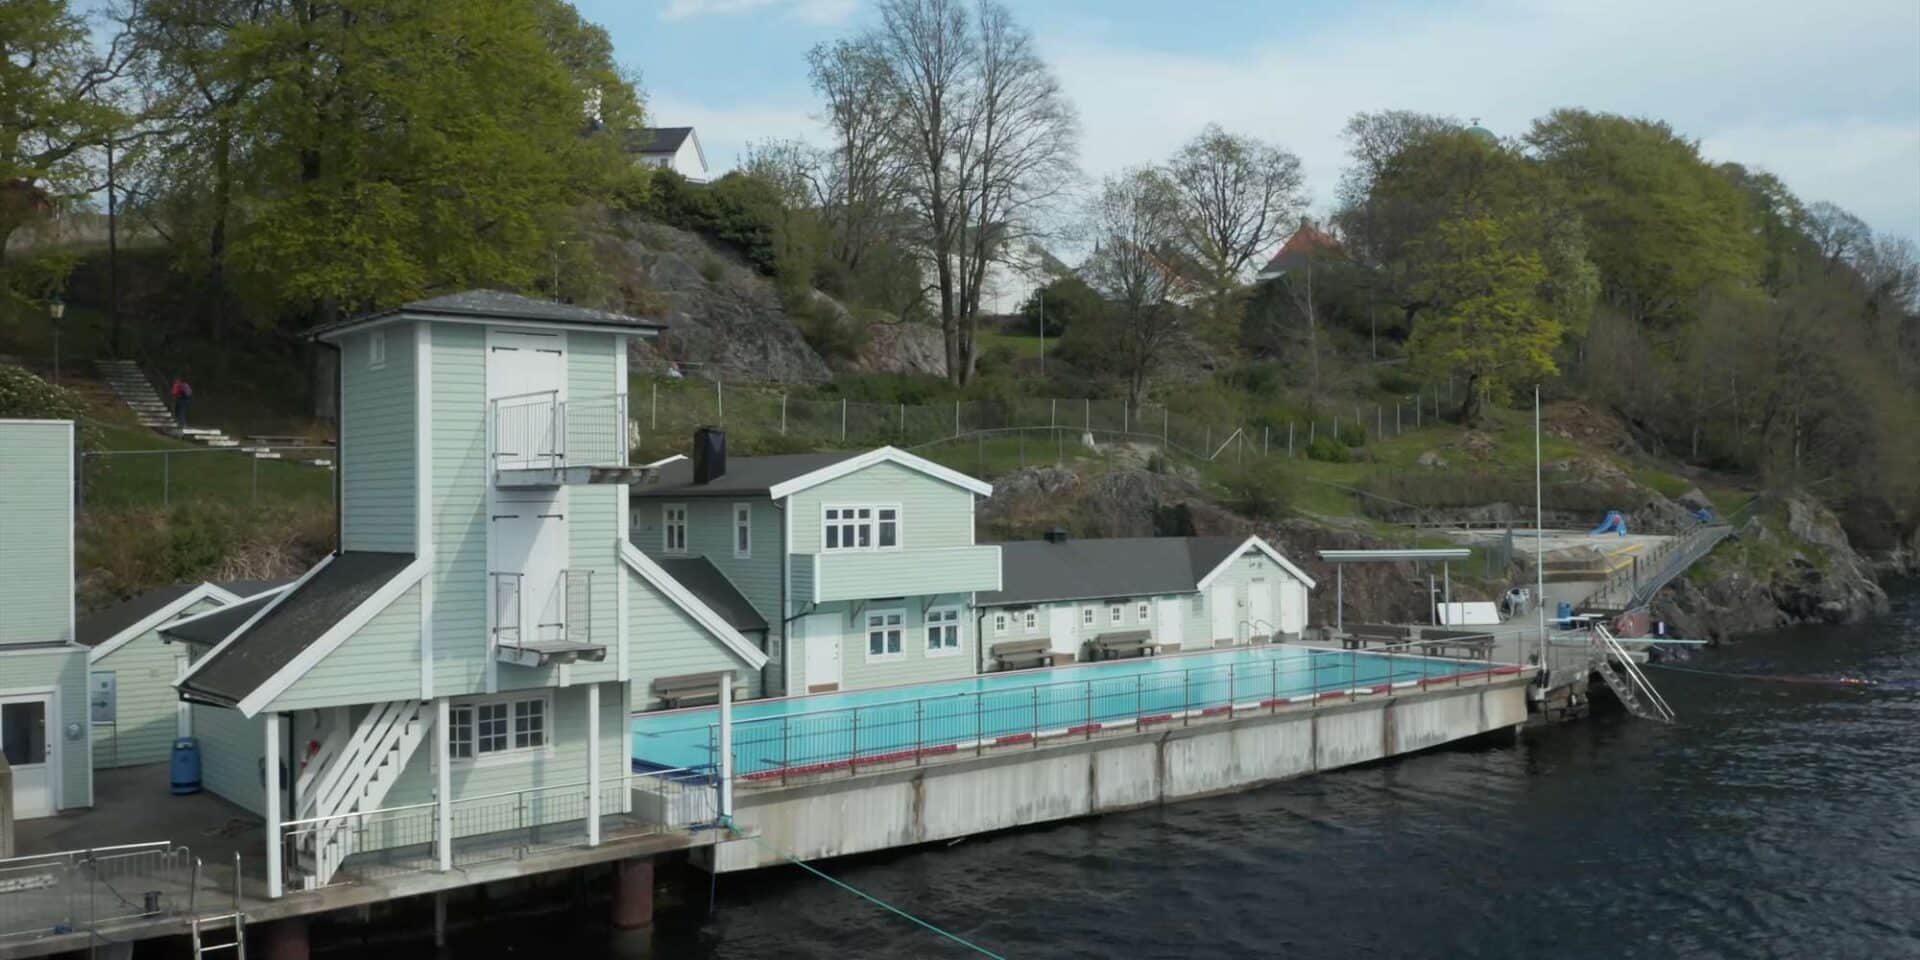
(1225, 616)
(823, 653)
(31, 752)
(1169, 625)
(526, 382)
(1293, 607)
(1060, 629)
(1260, 608)
(529, 547)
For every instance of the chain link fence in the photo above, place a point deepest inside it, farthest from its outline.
(121, 479)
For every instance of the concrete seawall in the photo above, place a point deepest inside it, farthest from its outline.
(1019, 786)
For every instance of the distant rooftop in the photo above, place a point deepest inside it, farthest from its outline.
(1308, 244)
(656, 139)
(498, 305)
(1043, 571)
(745, 475)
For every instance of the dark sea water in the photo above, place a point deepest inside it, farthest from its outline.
(1774, 820)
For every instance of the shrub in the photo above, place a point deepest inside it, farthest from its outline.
(27, 397)
(1353, 435)
(1260, 492)
(127, 551)
(1329, 450)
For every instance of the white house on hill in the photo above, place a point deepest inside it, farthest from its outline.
(676, 148)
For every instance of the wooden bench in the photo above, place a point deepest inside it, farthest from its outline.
(1360, 635)
(1112, 646)
(1019, 654)
(1468, 644)
(692, 689)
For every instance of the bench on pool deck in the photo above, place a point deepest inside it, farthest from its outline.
(1360, 635)
(1123, 643)
(1464, 644)
(692, 689)
(1020, 654)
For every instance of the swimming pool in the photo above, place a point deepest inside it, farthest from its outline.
(804, 734)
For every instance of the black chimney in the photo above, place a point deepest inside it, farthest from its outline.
(1057, 535)
(709, 454)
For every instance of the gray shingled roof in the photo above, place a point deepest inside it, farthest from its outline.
(699, 575)
(1036, 571)
(100, 626)
(656, 139)
(499, 305)
(306, 614)
(745, 475)
(212, 628)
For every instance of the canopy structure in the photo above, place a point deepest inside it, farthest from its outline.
(1340, 558)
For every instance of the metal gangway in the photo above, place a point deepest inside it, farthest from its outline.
(1624, 677)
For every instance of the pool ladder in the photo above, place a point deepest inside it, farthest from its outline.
(235, 920)
(1628, 682)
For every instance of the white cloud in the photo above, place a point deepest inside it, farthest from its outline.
(809, 11)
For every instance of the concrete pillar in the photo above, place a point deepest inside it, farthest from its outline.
(287, 939)
(270, 752)
(593, 764)
(633, 894)
(443, 783)
(725, 760)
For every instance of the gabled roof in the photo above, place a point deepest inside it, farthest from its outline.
(496, 305)
(209, 628)
(1308, 244)
(102, 625)
(787, 474)
(1040, 571)
(699, 575)
(679, 595)
(319, 605)
(656, 139)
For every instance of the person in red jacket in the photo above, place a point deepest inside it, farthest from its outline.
(182, 393)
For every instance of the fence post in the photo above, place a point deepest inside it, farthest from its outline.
(255, 497)
(979, 728)
(783, 414)
(166, 478)
(1088, 414)
(903, 421)
(1053, 413)
(1273, 686)
(1379, 421)
(1186, 696)
(956, 418)
(719, 402)
(653, 409)
(1165, 418)
(1124, 411)
(1312, 430)
(853, 747)
(1209, 442)
(1289, 439)
(1088, 722)
(843, 419)
(917, 741)
(1266, 440)
(1036, 716)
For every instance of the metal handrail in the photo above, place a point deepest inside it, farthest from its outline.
(1611, 646)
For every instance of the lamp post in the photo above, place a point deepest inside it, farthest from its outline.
(56, 308)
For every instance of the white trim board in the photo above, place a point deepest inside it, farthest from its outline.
(161, 617)
(1264, 548)
(649, 333)
(702, 614)
(208, 613)
(266, 608)
(285, 677)
(807, 481)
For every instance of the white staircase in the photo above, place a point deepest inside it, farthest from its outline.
(1627, 680)
(128, 383)
(349, 777)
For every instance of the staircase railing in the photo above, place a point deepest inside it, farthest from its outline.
(1634, 686)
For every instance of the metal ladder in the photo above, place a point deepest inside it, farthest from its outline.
(199, 925)
(1629, 682)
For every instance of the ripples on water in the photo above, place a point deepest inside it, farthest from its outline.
(1774, 820)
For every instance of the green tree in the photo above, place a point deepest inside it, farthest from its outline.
(1491, 319)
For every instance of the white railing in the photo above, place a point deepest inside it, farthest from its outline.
(534, 431)
(565, 613)
(77, 890)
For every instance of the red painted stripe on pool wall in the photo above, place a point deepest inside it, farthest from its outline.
(1013, 738)
(1333, 694)
(1380, 688)
(1274, 702)
(1215, 711)
(1085, 728)
(1156, 718)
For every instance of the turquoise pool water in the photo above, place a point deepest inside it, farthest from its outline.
(831, 729)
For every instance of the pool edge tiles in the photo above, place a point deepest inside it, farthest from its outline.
(905, 722)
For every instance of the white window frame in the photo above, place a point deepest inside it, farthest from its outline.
(1116, 614)
(871, 524)
(1143, 611)
(1030, 620)
(668, 526)
(1000, 624)
(1086, 616)
(377, 350)
(867, 628)
(743, 531)
(511, 752)
(946, 620)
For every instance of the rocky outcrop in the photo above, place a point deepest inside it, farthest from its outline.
(723, 320)
(902, 348)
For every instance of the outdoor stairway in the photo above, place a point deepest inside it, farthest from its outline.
(235, 922)
(1631, 588)
(128, 383)
(351, 774)
(1626, 679)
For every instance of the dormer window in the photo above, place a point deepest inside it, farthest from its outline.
(860, 527)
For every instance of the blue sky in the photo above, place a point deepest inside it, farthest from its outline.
(1827, 96)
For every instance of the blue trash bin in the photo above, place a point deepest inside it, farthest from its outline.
(1564, 614)
(186, 766)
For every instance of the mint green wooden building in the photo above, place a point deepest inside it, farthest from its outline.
(44, 724)
(463, 666)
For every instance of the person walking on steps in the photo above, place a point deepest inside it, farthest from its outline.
(182, 393)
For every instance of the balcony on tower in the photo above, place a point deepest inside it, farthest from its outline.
(544, 439)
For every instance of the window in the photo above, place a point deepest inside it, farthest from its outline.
(1115, 614)
(999, 624)
(860, 527)
(884, 634)
(673, 528)
(743, 530)
(1031, 620)
(1198, 604)
(1143, 612)
(1086, 616)
(497, 727)
(943, 631)
(377, 350)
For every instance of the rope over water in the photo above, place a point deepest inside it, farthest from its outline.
(1772, 678)
(727, 822)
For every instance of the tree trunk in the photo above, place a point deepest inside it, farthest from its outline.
(1470, 405)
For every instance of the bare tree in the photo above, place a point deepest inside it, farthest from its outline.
(987, 139)
(1841, 237)
(859, 186)
(1139, 229)
(1237, 193)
